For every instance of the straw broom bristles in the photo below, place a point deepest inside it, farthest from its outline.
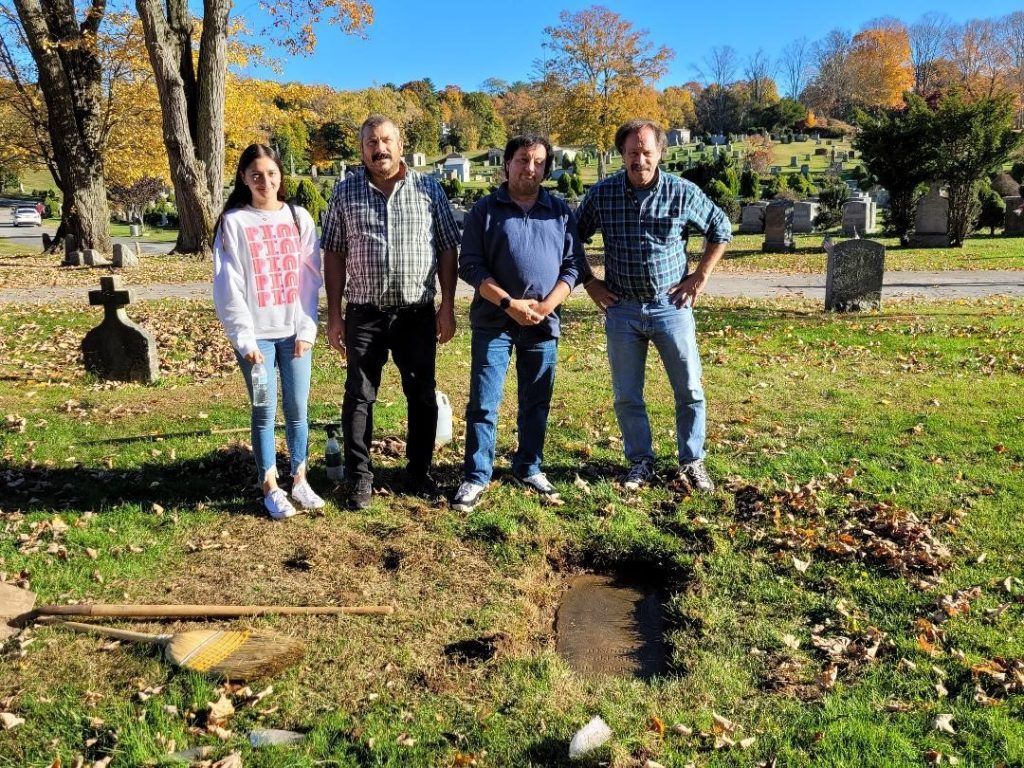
(238, 655)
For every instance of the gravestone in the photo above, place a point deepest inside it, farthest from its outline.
(778, 227)
(609, 626)
(117, 348)
(792, 161)
(752, 218)
(72, 256)
(1014, 222)
(47, 241)
(776, 170)
(853, 278)
(804, 213)
(93, 258)
(123, 257)
(820, 151)
(932, 220)
(805, 169)
(858, 218)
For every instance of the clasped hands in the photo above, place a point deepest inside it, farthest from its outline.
(527, 311)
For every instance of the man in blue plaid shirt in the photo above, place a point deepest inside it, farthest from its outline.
(387, 233)
(647, 294)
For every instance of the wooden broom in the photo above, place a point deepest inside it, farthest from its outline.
(133, 611)
(237, 655)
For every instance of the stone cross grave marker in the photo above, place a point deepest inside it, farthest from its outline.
(117, 348)
(853, 277)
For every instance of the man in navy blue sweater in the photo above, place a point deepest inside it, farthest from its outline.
(521, 252)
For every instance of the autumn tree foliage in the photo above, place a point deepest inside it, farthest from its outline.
(192, 82)
(677, 106)
(607, 70)
(880, 65)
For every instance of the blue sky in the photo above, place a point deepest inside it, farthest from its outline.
(464, 43)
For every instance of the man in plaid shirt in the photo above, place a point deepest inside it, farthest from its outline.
(388, 231)
(647, 294)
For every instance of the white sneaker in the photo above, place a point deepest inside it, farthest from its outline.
(467, 497)
(305, 496)
(540, 483)
(640, 474)
(278, 506)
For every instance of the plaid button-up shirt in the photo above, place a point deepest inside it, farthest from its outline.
(390, 244)
(645, 243)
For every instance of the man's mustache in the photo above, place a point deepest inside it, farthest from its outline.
(381, 156)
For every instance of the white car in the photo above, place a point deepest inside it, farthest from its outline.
(27, 215)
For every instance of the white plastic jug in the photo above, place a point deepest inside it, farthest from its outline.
(444, 419)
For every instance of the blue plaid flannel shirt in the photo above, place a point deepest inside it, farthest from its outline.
(645, 245)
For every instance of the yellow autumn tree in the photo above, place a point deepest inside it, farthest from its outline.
(677, 106)
(607, 69)
(880, 65)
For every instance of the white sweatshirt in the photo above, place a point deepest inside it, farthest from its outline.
(266, 276)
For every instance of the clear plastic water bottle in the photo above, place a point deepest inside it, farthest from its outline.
(332, 455)
(259, 385)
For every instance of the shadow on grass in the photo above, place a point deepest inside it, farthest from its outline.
(223, 478)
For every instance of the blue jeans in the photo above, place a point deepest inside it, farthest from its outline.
(295, 375)
(535, 373)
(630, 326)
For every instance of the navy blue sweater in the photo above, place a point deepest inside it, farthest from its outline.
(525, 253)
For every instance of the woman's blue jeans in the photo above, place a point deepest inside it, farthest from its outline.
(295, 376)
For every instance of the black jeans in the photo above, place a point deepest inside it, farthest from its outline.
(409, 333)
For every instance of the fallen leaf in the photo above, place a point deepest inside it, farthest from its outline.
(791, 642)
(221, 710)
(747, 743)
(801, 565)
(944, 722)
(682, 730)
(234, 760)
(9, 720)
(657, 725)
(405, 740)
(722, 724)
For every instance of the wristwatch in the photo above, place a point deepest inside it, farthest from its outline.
(505, 303)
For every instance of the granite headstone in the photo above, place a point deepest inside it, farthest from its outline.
(853, 278)
(117, 348)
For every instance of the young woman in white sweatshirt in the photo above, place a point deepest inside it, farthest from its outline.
(266, 281)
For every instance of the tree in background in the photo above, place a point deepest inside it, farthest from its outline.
(308, 196)
(972, 139)
(192, 85)
(677, 106)
(292, 142)
(795, 65)
(926, 37)
(606, 69)
(134, 198)
(991, 208)
(897, 148)
(880, 64)
(70, 84)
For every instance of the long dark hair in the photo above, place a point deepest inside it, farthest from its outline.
(241, 195)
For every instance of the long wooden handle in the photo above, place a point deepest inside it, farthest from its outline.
(213, 611)
(97, 629)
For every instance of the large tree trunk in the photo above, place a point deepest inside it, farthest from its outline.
(213, 58)
(70, 79)
(168, 41)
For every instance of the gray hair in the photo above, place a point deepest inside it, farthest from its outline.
(375, 121)
(635, 126)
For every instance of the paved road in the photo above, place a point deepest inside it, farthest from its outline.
(925, 285)
(32, 237)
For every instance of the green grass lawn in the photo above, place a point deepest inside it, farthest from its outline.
(853, 581)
